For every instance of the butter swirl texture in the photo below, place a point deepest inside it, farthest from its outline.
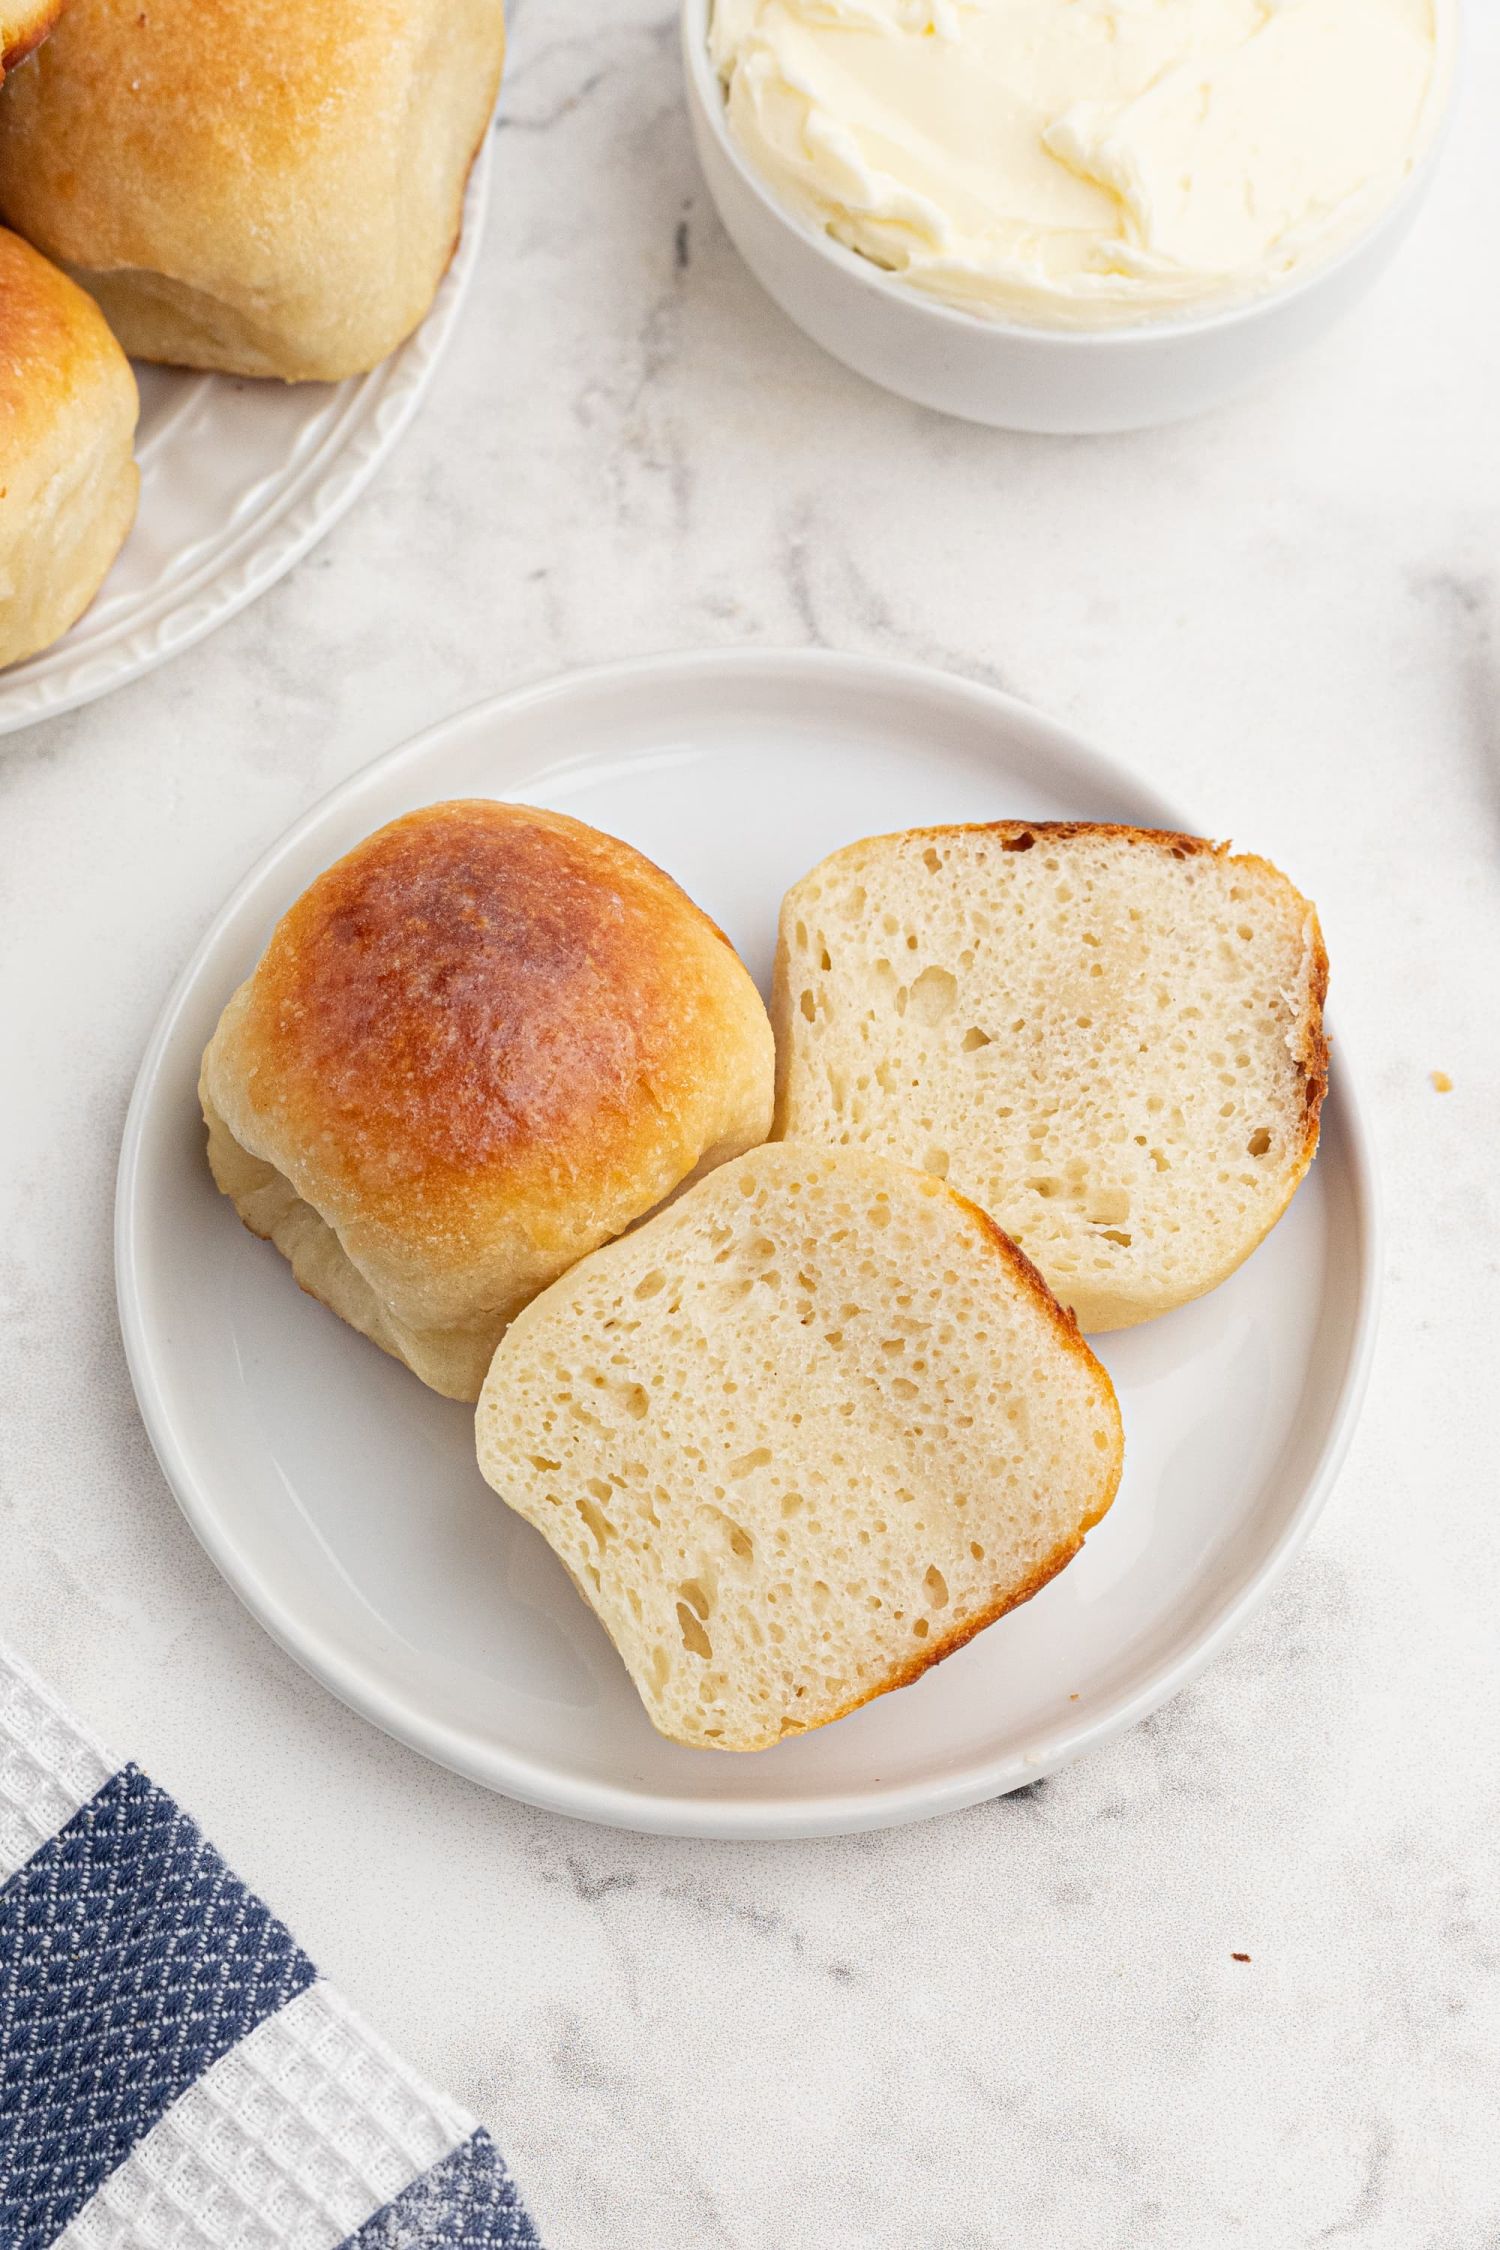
(1084, 163)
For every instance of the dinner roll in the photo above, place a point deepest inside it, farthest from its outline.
(245, 189)
(484, 1042)
(800, 1437)
(1111, 1038)
(68, 482)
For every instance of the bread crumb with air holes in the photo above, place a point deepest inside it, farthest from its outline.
(706, 1421)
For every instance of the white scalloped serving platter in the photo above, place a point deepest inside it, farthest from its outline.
(238, 480)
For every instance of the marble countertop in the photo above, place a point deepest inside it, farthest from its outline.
(1022, 2025)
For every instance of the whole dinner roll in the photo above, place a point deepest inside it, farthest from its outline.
(483, 1043)
(248, 190)
(68, 481)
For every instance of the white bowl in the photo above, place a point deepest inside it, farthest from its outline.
(1012, 376)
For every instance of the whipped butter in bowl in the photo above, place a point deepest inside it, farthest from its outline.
(1082, 169)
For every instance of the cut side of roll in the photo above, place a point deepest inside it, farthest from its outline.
(798, 1437)
(1111, 1038)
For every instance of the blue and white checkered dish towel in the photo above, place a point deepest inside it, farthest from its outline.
(174, 2073)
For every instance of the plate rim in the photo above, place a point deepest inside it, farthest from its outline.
(614, 1804)
(276, 546)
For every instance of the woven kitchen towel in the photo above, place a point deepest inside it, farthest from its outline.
(174, 2073)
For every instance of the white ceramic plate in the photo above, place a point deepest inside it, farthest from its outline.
(238, 480)
(341, 1500)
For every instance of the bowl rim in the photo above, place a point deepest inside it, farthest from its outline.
(706, 97)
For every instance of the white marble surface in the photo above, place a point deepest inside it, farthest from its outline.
(1021, 2026)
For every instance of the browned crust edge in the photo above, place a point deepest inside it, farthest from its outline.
(30, 39)
(1012, 831)
(960, 1634)
(1315, 1056)
(1312, 1059)
(906, 1674)
(1072, 1339)
(1070, 1335)
(1169, 839)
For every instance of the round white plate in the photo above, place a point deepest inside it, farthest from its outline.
(341, 1500)
(238, 479)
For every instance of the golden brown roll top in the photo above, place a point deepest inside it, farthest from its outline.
(68, 481)
(247, 191)
(485, 1042)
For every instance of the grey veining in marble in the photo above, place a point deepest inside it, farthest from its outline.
(1023, 2026)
